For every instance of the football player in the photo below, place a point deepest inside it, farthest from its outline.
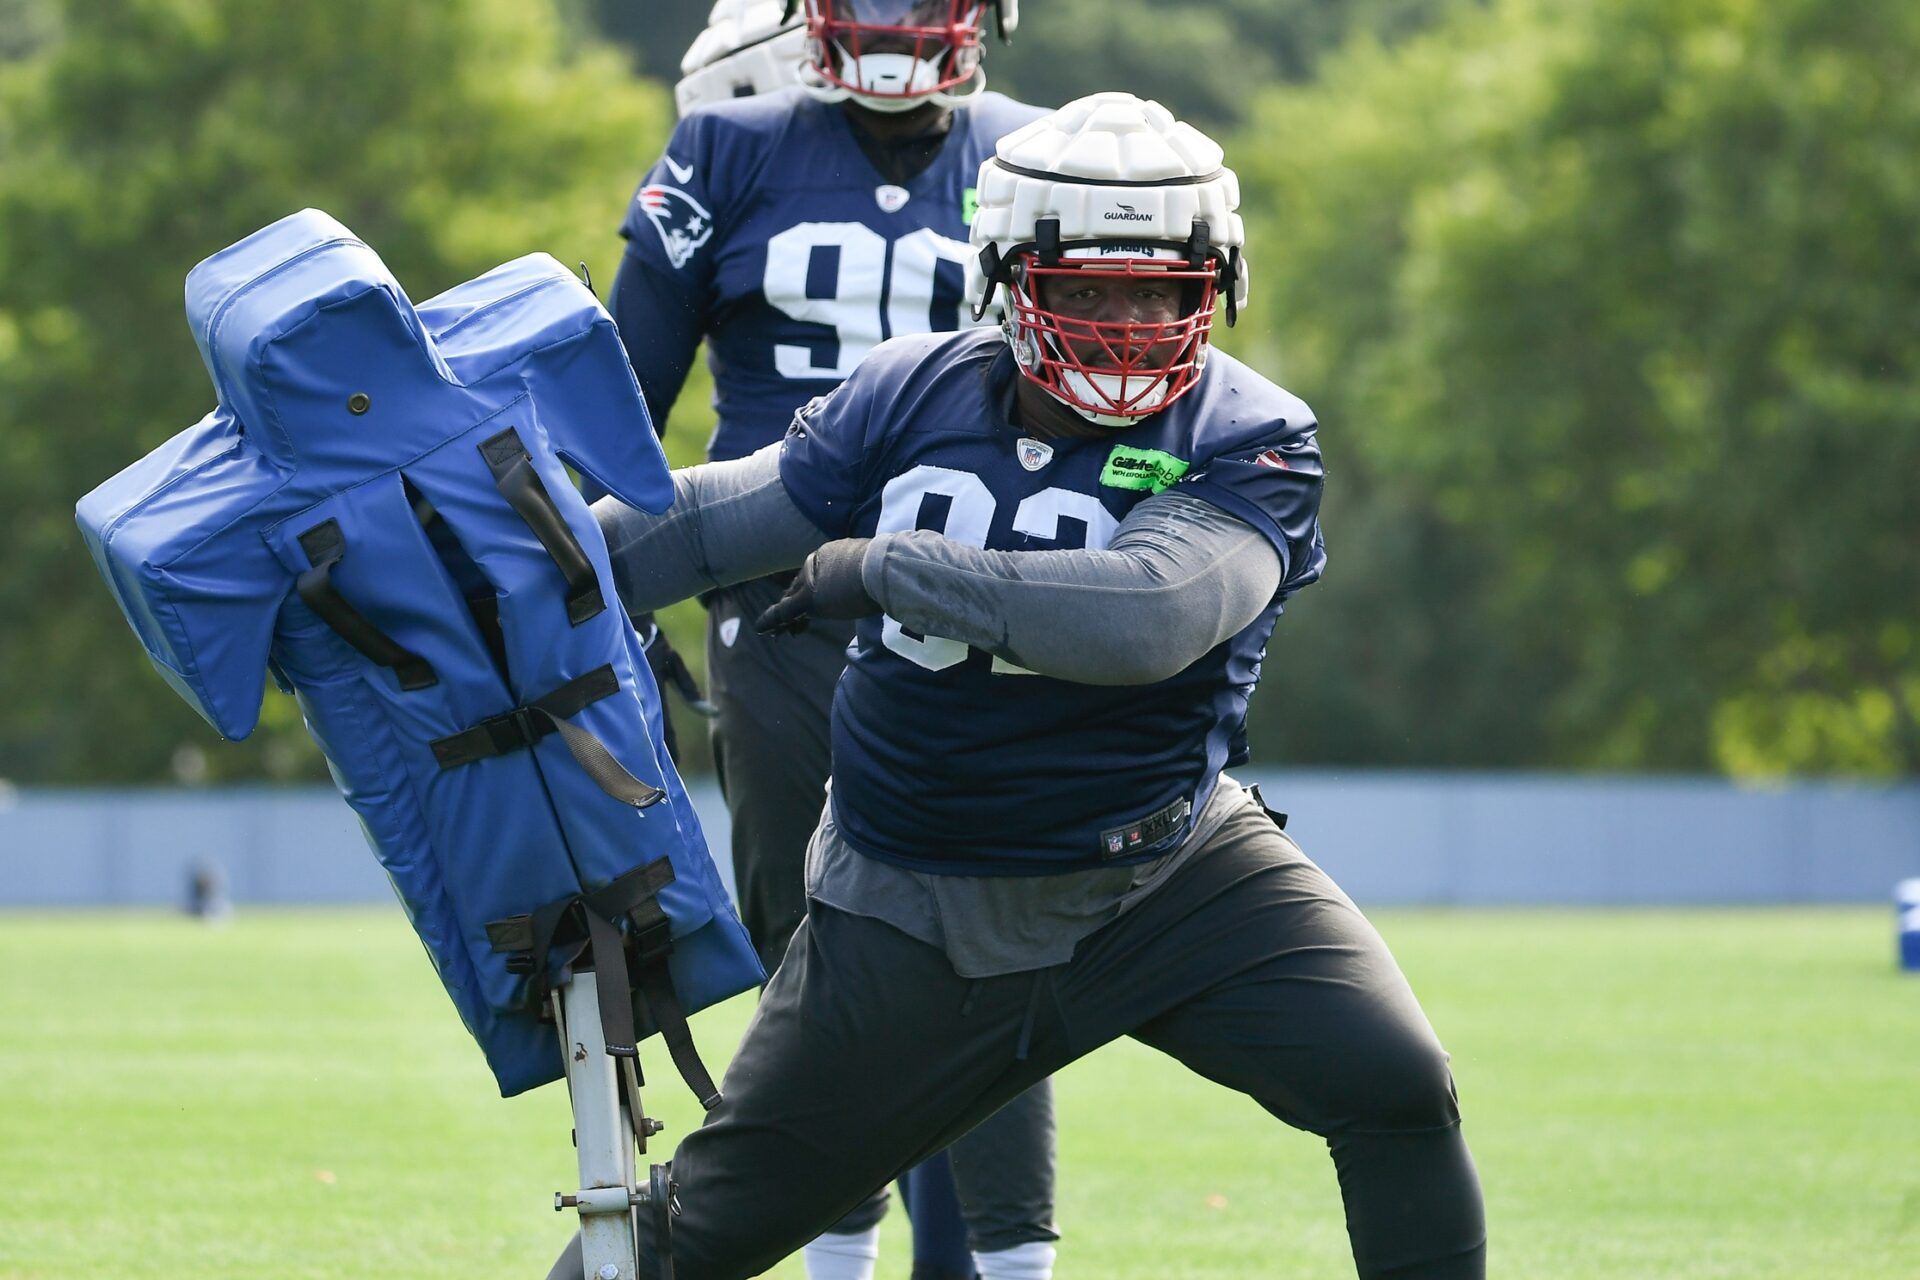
(793, 230)
(1065, 544)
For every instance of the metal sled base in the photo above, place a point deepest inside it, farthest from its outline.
(609, 1125)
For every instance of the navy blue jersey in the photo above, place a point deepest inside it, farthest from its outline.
(767, 229)
(946, 759)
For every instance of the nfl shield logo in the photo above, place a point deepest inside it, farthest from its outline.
(890, 198)
(681, 221)
(1114, 843)
(1033, 454)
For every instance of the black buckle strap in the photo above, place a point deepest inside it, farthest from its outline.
(520, 484)
(585, 921)
(523, 726)
(520, 727)
(540, 931)
(324, 545)
(653, 943)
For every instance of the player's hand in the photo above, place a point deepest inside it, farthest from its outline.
(668, 667)
(828, 586)
(669, 671)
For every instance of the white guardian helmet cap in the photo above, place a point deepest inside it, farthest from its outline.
(1109, 184)
(749, 47)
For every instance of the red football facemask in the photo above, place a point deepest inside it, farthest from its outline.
(895, 50)
(1100, 342)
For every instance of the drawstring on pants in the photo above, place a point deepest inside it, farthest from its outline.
(1027, 1023)
(1033, 1014)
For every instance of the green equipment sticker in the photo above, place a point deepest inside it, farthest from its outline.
(969, 205)
(1148, 469)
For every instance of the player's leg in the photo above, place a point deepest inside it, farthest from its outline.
(928, 1194)
(771, 745)
(867, 1053)
(1004, 1171)
(1254, 969)
(772, 748)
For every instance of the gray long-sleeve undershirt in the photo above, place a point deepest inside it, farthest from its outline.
(1178, 577)
(729, 522)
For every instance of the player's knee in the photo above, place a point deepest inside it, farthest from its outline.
(1403, 1081)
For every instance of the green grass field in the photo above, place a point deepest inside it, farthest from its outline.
(1649, 1094)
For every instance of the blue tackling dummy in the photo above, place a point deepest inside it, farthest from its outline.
(378, 513)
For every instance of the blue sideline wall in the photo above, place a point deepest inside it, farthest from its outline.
(1388, 838)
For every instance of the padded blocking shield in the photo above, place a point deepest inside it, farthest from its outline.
(378, 509)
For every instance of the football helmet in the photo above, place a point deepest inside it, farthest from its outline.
(749, 47)
(894, 55)
(1109, 190)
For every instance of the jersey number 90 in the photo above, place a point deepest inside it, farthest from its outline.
(880, 290)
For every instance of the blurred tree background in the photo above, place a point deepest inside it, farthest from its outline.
(139, 136)
(1604, 305)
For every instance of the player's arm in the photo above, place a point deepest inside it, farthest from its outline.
(661, 322)
(730, 521)
(1184, 571)
(1180, 576)
(663, 294)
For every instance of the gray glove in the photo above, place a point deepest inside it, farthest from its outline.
(828, 586)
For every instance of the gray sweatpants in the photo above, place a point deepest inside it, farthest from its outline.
(772, 749)
(1249, 965)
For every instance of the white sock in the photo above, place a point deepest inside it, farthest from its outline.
(1030, 1261)
(843, 1257)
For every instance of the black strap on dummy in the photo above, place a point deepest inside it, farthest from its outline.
(524, 726)
(653, 942)
(324, 545)
(520, 484)
(626, 965)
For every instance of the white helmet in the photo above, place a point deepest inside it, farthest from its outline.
(894, 55)
(749, 47)
(1114, 185)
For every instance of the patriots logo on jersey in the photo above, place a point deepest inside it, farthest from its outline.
(684, 225)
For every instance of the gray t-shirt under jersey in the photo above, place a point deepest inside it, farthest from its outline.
(990, 925)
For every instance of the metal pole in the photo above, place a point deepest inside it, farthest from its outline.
(603, 1136)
